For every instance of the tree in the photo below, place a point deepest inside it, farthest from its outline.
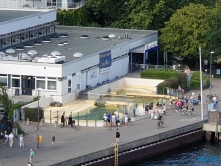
(186, 31)
(5, 99)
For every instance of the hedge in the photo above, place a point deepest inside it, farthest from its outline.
(32, 113)
(195, 80)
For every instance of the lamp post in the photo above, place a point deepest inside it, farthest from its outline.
(38, 122)
(211, 54)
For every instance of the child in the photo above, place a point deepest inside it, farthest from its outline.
(53, 139)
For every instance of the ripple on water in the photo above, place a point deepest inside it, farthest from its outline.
(187, 156)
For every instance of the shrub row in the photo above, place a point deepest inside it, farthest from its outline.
(32, 113)
(195, 80)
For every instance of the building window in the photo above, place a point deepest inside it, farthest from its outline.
(69, 86)
(52, 85)
(15, 82)
(3, 81)
(31, 34)
(36, 33)
(41, 84)
(52, 29)
(26, 36)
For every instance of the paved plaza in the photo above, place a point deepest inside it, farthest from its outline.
(71, 143)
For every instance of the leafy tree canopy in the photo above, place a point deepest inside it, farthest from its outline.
(186, 30)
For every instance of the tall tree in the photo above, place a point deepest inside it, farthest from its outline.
(186, 31)
(5, 99)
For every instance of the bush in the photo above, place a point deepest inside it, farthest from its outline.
(32, 113)
(195, 80)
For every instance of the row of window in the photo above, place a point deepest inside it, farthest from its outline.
(49, 84)
(8, 41)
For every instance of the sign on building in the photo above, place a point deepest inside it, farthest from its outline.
(105, 61)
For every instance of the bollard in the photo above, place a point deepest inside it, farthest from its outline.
(78, 118)
(57, 116)
(55, 124)
(27, 121)
(41, 122)
(86, 120)
(50, 116)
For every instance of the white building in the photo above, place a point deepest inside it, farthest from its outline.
(62, 61)
(46, 4)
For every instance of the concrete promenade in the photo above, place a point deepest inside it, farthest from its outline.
(72, 143)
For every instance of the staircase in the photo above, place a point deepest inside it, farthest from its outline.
(21, 99)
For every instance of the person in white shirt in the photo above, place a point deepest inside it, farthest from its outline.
(11, 137)
(6, 138)
(105, 120)
(126, 119)
(113, 120)
(21, 141)
(193, 94)
(164, 109)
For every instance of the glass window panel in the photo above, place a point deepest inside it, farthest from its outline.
(52, 85)
(41, 84)
(15, 82)
(3, 81)
(69, 83)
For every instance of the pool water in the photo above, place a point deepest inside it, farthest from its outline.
(95, 113)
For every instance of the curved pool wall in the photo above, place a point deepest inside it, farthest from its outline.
(141, 148)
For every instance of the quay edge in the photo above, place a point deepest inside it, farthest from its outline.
(133, 150)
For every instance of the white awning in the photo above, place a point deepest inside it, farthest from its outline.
(140, 49)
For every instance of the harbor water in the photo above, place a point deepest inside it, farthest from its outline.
(196, 154)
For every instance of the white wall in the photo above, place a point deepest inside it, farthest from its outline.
(83, 80)
(31, 69)
(142, 82)
(42, 103)
(28, 21)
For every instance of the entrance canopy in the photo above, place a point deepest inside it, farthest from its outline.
(143, 49)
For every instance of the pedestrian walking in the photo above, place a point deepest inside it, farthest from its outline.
(126, 119)
(164, 109)
(70, 121)
(11, 137)
(21, 141)
(6, 138)
(117, 136)
(28, 163)
(32, 154)
(53, 140)
(105, 120)
(62, 119)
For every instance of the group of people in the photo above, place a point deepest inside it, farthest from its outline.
(8, 139)
(172, 92)
(64, 121)
(111, 120)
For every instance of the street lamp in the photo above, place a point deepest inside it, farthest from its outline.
(211, 53)
(38, 121)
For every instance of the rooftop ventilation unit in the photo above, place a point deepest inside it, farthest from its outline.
(10, 51)
(78, 55)
(63, 35)
(55, 53)
(29, 45)
(84, 37)
(19, 48)
(65, 42)
(112, 36)
(105, 38)
(55, 37)
(60, 44)
(51, 59)
(38, 43)
(32, 52)
(46, 40)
